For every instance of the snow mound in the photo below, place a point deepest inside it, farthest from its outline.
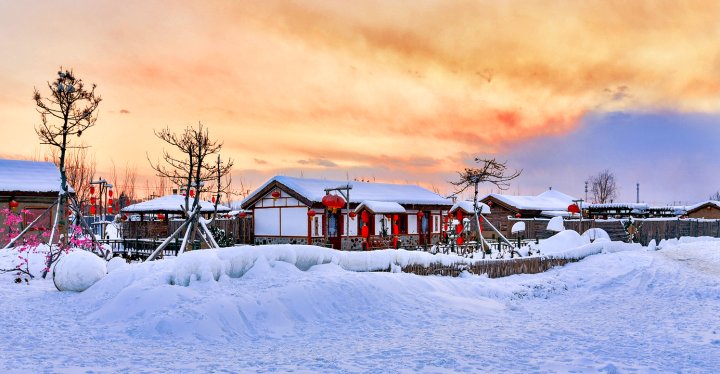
(78, 270)
(561, 242)
(596, 234)
(556, 224)
(116, 263)
(518, 227)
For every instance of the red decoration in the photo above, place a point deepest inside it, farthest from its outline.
(124, 217)
(110, 202)
(420, 214)
(242, 215)
(92, 200)
(365, 216)
(275, 195)
(161, 216)
(311, 213)
(518, 215)
(92, 190)
(213, 199)
(333, 202)
(13, 204)
(192, 193)
(110, 193)
(353, 215)
(395, 243)
(365, 231)
(396, 229)
(573, 208)
(110, 209)
(450, 215)
(460, 241)
(490, 204)
(460, 215)
(395, 217)
(92, 210)
(459, 228)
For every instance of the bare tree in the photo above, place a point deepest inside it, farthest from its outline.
(192, 170)
(67, 112)
(715, 196)
(603, 187)
(80, 166)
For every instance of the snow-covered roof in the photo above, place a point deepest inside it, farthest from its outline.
(548, 200)
(380, 207)
(170, 204)
(468, 207)
(693, 207)
(29, 176)
(314, 190)
(636, 206)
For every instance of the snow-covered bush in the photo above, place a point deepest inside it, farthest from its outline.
(78, 270)
(596, 234)
(556, 224)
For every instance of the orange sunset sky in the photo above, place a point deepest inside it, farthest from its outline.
(399, 91)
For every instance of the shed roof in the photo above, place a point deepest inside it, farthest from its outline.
(702, 204)
(380, 207)
(468, 207)
(29, 176)
(549, 200)
(313, 190)
(170, 204)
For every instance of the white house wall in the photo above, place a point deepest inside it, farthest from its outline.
(267, 221)
(412, 224)
(294, 221)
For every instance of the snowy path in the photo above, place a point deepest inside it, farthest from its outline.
(629, 312)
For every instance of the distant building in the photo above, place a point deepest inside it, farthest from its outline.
(709, 209)
(551, 203)
(33, 185)
(281, 206)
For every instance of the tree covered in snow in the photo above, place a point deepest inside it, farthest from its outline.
(603, 187)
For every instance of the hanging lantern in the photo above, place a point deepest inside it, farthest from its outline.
(110, 193)
(353, 215)
(333, 202)
(242, 215)
(161, 216)
(92, 189)
(311, 213)
(124, 217)
(518, 215)
(420, 214)
(573, 209)
(275, 195)
(13, 204)
(396, 217)
(110, 209)
(92, 210)
(365, 216)
(365, 231)
(110, 202)
(460, 241)
(490, 204)
(460, 215)
(450, 215)
(459, 229)
(192, 193)
(213, 199)
(92, 200)
(395, 229)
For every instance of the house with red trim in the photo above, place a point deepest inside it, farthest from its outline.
(379, 215)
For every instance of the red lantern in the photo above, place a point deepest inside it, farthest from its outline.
(395, 229)
(311, 213)
(420, 214)
(124, 217)
(213, 199)
(242, 215)
(518, 215)
(92, 190)
(490, 204)
(275, 195)
(460, 241)
(365, 216)
(353, 215)
(192, 193)
(450, 215)
(92, 200)
(110, 209)
(573, 209)
(161, 216)
(110, 201)
(13, 204)
(92, 210)
(460, 215)
(333, 202)
(110, 193)
(365, 231)
(395, 217)
(459, 228)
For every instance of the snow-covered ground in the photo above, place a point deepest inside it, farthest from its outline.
(627, 311)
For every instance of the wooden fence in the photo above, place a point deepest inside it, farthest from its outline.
(493, 268)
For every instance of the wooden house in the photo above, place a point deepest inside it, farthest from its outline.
(548, 204)
(291, 210)
(29, 188)
(709, 209)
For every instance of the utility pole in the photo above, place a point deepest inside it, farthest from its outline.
(586, 190)
(637, 199)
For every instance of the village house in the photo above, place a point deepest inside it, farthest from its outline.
(548, 204)
(709, 209)
(292, 210)
(29, 188)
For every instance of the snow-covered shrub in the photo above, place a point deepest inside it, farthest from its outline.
(78, 270)
(596, 234)
(556, 224)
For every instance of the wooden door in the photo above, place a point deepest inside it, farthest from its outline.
(335, 229)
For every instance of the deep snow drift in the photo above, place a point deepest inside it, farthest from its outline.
(616, 311)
